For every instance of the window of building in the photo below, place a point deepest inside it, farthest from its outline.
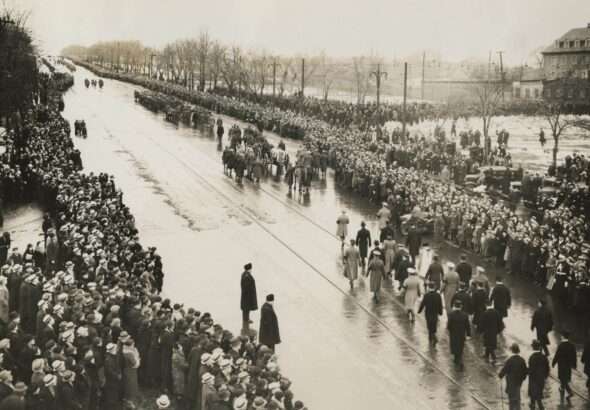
(582, 93)
(558, 92)
(527, 93)
(516, 92)
(537, 93)
(572, 43)
(570, 93)
(547, 92)
(561, 44)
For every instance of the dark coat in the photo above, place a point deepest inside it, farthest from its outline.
(269, 326)
(565, 358)
(465, 272)
(490, 324)
(13, 402)
(363, 241)
(66, 397)
(538, 373)
(248, 301)
(414, 242)
(501, 298)
(480, 301)
(166, 347)
(586, 358)
(515, 371)
(459, 329)
(543, 322)
(193, 382)
(466, 301)
(112, 389)
(432, 305)
(47, 400)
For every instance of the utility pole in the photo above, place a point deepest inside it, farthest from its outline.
(423, 68)
(274, 75)
(501, 74)
(404, 104)
(378, 75)
(151, 63)
(302, 76)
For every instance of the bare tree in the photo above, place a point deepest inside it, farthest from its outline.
(286, 68)
(326, 73)
(204, 47)
(216, 59)
(362, 75)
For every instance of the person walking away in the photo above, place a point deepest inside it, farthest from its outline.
(424, 260)
(390, 249)
(269, 325)
(413, 242)
(565, 358)
(480, 277)
(480, 301)
(435, 272)
(450, 285)
(412, 293)
(542, 322)
(383, 214)
(586, 360)
(538, 374)
(342, 228)
(464, 297)
(501, 298)
(433, 308)
(490, 325)
(458, 328)
(352, 261)
(376, 273)
(465, 270)
(515, 370)
(248, 299)
(363, 241)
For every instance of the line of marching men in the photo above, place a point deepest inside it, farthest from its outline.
(472, 306)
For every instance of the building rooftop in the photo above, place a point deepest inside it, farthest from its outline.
(574, 41)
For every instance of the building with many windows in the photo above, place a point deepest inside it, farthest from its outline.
(568, 56)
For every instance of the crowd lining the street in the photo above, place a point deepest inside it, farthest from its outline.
(82, 322)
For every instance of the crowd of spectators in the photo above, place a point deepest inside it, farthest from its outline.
(82, 322)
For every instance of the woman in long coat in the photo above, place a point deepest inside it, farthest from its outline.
(352, 260)
(450, 285)
(376, 272)
(390, 248)
(412, 288)
(179, 370)
(131, 362)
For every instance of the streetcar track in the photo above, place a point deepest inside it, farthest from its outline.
(476, 397)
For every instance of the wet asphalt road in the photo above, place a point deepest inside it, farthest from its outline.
(342, 350)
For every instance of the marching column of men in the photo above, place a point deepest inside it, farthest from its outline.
(473, 307)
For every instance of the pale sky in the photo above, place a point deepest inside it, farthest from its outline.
(457, 29)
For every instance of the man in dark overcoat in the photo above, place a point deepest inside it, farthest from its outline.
(490, 324)
(538, 374)
(515, 371)
(501, 297)
(363, 241)
(566, 359)
(269, 326)
(414, 242)
(166, 348)
(248, 300)
(459, 329)
(433, 308)
(542, 322)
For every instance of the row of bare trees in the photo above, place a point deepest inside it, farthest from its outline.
(202, 62)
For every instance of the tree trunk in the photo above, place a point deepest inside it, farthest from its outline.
(555, 149)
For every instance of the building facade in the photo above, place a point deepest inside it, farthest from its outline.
(568, 56)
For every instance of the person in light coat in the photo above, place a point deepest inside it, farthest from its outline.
(450, 285)
(424, 260)
(376, 273)
(352, 261)
(412, 287)
(342, 228)
(4, 300)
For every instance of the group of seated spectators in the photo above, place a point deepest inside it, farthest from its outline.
(82, 322)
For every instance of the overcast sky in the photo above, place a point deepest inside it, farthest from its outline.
(457, 29)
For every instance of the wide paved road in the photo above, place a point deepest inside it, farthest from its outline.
(341, 350)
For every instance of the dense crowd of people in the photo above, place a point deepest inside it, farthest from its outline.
(82, 321)
(409, 171)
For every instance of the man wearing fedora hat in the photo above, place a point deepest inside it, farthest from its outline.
(269, 325)
(16, 400)
(65, 392)
(538, 374)
(248, 300)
